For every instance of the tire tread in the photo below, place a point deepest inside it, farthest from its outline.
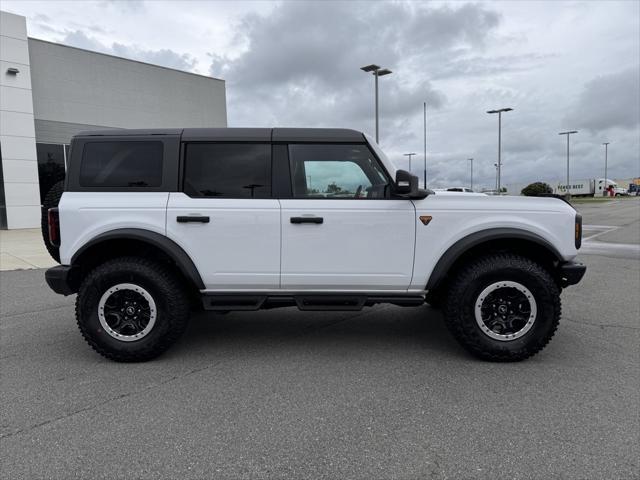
(175, 297)
(471, 339)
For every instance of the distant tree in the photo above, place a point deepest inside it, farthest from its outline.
(536, 189)
(333, 188)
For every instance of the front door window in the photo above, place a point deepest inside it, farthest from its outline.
(336, 171)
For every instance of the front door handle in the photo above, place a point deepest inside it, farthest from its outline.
(316, 220)
(192, 218)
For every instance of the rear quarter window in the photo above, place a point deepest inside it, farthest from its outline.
(122, 164)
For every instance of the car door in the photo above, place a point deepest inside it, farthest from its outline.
(341, 230)
(225, 218)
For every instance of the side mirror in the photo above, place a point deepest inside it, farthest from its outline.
(406, 185)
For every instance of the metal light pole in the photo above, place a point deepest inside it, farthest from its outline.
(425, 145)
(471, 161)
(409, 155)
(568, 134)
(496, 165)
(499, 112)
(377, 72)
(606, 154)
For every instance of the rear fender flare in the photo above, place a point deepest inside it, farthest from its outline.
(168, 246)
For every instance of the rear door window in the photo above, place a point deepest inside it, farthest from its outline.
(122, 164)
(228, 170)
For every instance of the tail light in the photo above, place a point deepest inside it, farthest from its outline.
(53, 218)
(578, 231)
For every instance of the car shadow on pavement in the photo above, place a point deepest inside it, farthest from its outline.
(387, 328)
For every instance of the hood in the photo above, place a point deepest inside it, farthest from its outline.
(488, 203)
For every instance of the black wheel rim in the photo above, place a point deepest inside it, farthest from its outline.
(127, 312)
(505, 310)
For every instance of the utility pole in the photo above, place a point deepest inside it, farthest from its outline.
(500, 111)
(471, 161)
(377, 72)
(425, 145)
(409, 155)
(606, 154)
(568, 134)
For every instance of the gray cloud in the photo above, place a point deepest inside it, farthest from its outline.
(475, 66)
(609, 101)
(301, 64)
(164, 57)
(126, 6)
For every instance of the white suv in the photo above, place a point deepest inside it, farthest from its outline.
(153, 223)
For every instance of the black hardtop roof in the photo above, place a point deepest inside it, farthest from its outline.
(344, 135)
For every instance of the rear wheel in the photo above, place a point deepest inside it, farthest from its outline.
(503, 307)
(131, 309)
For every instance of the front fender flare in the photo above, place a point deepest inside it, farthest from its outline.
(454, 252)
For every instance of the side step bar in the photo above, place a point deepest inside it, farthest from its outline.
(324, 302)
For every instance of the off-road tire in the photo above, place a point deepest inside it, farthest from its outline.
(51, 200)
(170, 299)
(469, 282)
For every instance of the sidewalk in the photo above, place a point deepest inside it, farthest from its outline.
(23, 249)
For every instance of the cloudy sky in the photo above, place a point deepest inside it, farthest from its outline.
(560, 65)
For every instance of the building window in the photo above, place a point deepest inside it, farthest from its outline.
(121, 164)
(227, 170)
(51, 166)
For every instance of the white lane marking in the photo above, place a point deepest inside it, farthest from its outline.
(601, 229)
(614, 249)
(591, 247)
(598, 227)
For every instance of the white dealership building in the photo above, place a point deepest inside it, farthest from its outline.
(49, 92)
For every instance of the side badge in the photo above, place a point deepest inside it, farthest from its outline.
(425, 219)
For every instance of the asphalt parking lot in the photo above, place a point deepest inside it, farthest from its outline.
(382, 393)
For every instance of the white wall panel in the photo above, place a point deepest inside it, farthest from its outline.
(14, 50)
(12, 25)
(19, 171)
(21, 80)
(20, 194)
(16, 99)
(17, 129)
(17, 124)
(27, 216)
(18, 148)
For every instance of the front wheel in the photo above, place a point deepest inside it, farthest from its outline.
(503, 307)
(131, 309)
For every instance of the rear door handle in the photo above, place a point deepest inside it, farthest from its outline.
(316, 220)
(192, 218)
